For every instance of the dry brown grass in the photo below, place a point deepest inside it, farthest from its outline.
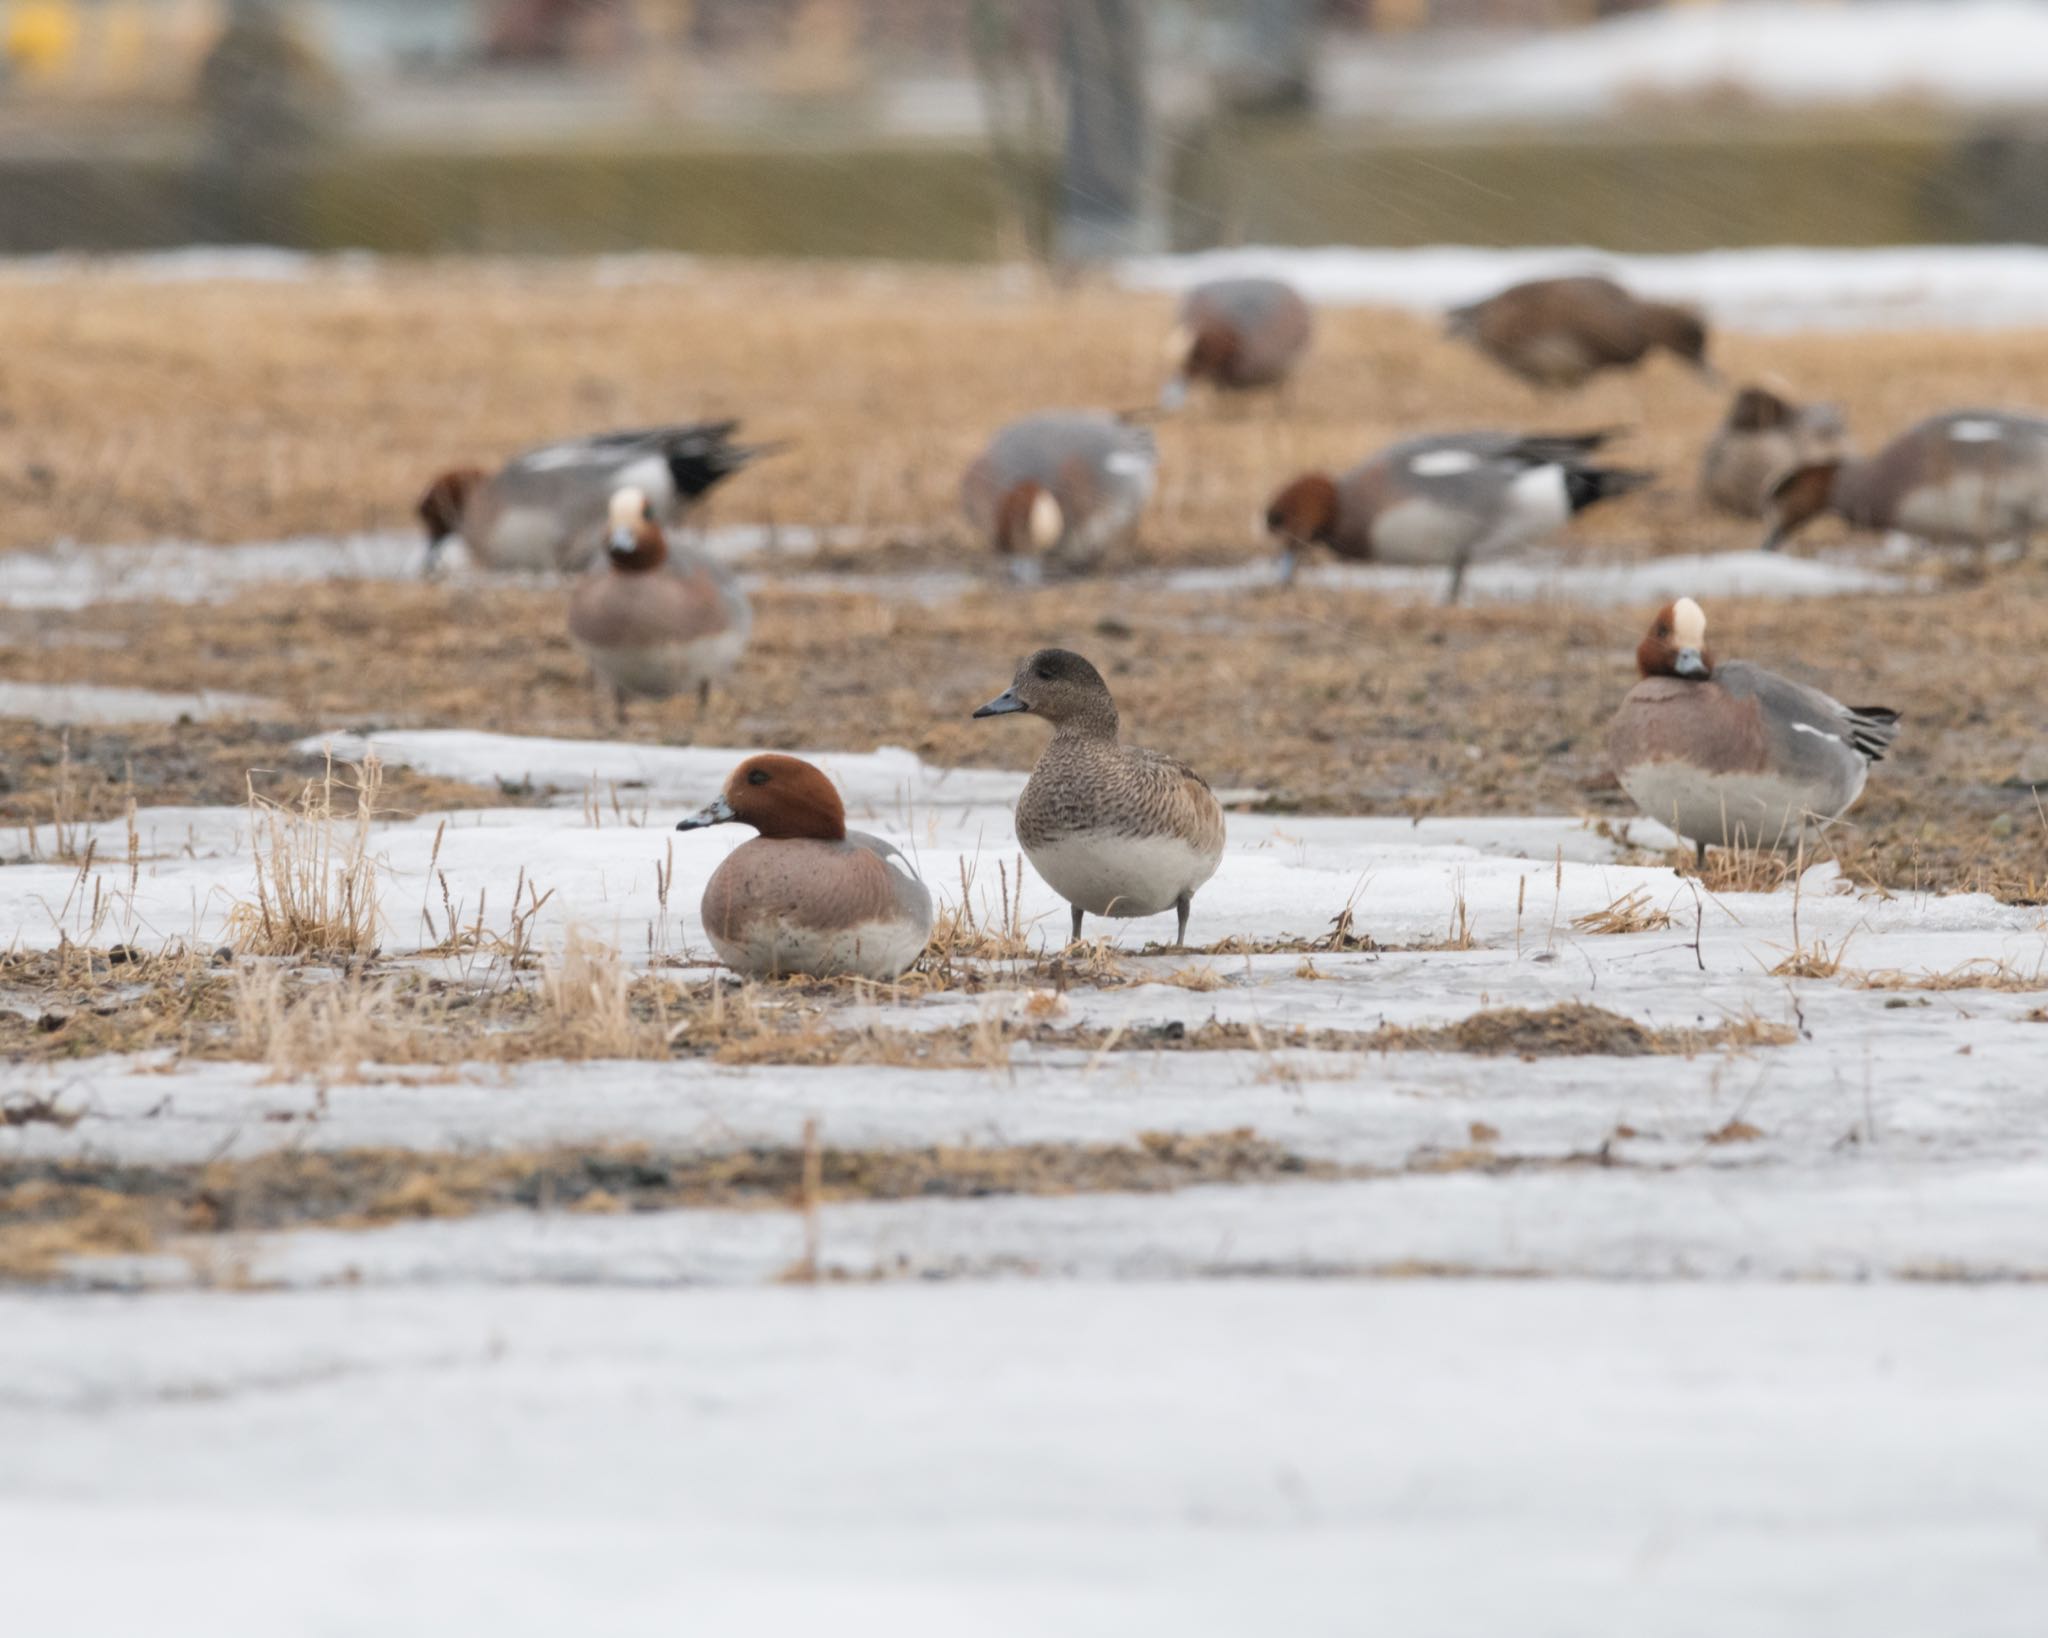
(51, 1211)
(231, 411)
(1981, 974)
(315, 875)
(1631, 913)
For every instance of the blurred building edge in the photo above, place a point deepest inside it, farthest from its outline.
(268, 103)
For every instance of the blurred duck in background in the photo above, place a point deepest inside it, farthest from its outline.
(655, 619)
(1234, 335)
(1964, 478)
(1060, 490)
(1452, 500)
(1559, 333)
(546, 509)
(1764, 437)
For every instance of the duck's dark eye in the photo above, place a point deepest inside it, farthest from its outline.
(1663, 630)
(1045, 673)
(758, 777)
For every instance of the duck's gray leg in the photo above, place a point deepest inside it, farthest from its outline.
(1457, 584)
(1076, 939)
(703, 695)
(1181, 906)
(1700, 858)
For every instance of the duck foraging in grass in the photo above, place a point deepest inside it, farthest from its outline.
(1453, 499)
(1114, 830)
(545, 510)
(1730, 754)
(807, 895)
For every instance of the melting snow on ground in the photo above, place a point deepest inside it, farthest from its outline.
(1101, 1412)
(1771, 290)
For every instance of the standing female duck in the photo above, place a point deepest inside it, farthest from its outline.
(807, 895)
(1114, 830)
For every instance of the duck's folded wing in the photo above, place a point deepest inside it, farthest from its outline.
(1809, 724)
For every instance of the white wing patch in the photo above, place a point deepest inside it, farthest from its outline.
(560, 455)
(1818, 733)
(1127, 462)
(1976, 432)
(1442, 463)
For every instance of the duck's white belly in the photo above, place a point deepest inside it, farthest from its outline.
(1421, 531)
(1978, 507)
(657, 670)
(773, 945)
(1107, 874)
(1729, 810)
(521, 538)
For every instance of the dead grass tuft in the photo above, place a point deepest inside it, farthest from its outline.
(1632, 913)
(1981, 974)
(316, 882)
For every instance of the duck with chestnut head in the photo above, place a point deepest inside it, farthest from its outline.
(806, 895)
(1731, 755)
(1454, 499)
(1113, 829)
(1966, 478)
(545, 509)
(656, 619)
(1060, 490)
(1235, 335)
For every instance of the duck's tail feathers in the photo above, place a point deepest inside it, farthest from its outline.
(704, 455)
(1872, 728)
(1584, 486)
(1553, 448)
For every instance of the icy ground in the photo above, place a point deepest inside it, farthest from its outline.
(1798, 53)
(1719, 1393)
(1775, 290)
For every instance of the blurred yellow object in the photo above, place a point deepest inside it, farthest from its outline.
(41, 38)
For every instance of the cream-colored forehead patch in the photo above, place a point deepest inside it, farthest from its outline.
(628, 507)
(1046, 521)
(1688, 623)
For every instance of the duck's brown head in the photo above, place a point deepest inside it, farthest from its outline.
(441, 507)
(1029, 521)
(1798, 498)
(782, 797)
(1305, 511)
(1060, 686)
(633, 541)
(1677, 643)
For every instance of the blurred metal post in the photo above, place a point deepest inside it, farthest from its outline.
(1107, 205)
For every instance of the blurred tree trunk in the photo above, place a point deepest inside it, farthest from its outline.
(1106, 199)
(1268, 58)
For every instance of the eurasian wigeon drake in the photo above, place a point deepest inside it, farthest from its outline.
(656, 619)
(1114, 830)
(546, 509)
(1061, 488)
(1966, 478)
(1235, 334)
(807, 895)
(1764, 437)
(1452, 500)
(1732, 755)
(1559, 332)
